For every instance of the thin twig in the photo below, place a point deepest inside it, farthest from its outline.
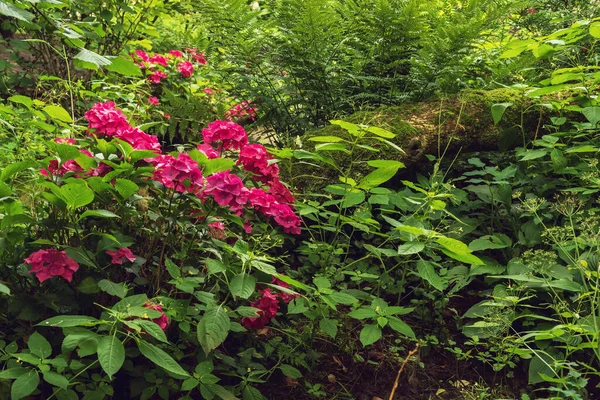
(410, 354)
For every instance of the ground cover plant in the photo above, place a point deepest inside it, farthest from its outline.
(299, 199)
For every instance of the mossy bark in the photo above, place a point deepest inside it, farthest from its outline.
(437, 126)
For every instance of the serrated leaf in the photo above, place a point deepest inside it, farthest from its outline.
(400, 326)
(125, 187)
(111, 354)
(68, 321)
(114, 289)
(123, 66)
(39, 346)
(592, 114)
(98, 214)
(58, 113)
(11, 10)
(91, 57)
(290, 371)
(56, 379)
(213, 328)
(362, 313)
(24, 385)
(76, 195)
(172, 268)
(411, 248)
(329, 326)
(426, 271)
(370, 334)
(4, 289)
(160, 358)
(242, 285)
(455, 246)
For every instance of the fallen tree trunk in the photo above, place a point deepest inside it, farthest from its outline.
(461, 123)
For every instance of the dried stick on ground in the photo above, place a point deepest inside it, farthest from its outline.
(410, 354)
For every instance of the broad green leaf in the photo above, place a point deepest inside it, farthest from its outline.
(217, 165)
(343, 298)
(160, 358)
(466, 258)
(352, 199)
(114, 289)
(24, 385)
(362, 313)
(595, 29)
(592, 114)
(370, 334)
(329, 326)
(326, 139)
(378, 177)
(213, 328)
(381, 132)
(498, 111)
(215, 266)
(111, 354)
(125, 187)
(4, 289)
(385, 164)
(331, 147)
(58, 113)
(455, 246)
(242, 285)
(39, 346)
(290, 371)
(540, 364)
(98, 214)
(426, 271)
(411, 248)
(11, 10)
(400, 326)
(68, 321)
(13, 373)
(56, 379)
(497, 241)
(27, 101)
(123, 66)
(76, 195)
(349, 127)
(172, 268)
(88, 56)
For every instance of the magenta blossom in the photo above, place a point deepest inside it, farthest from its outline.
(120, 255)
(268, 306)
(156, 77)
(208, 151)
(48, 263)
(163, 320)
(158, 59)
(254, 158)
(228, 190)
(186, 69)
(139, 140)
(229, 134)
(176, 53)
(181, 173)
(153, 101)
(142, 54)
(106, 119)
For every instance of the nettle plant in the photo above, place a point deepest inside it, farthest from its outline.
(134, 254)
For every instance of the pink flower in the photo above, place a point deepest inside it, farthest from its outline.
(176, 53)
(198, 57)
(186, 68)
(120, 255)
(48, 263)
(216, 230)
(208, 91)
(158, 59)
(254, 158)
(240, 110)
(139, 139)
(181, 173)
(153, 101)
(227, 189)
(260, 200)
(230, 134)
(280, 192)
(286, 218)
(247, 227)
(61, 140)
(167, 116)
(268, 306)
(106, 119)
(60, 170)
(101, 170)
(208, 150)
(163, 320)
(156, 76)
(142, 55)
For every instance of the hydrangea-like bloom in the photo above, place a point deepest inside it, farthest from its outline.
(208, 150)
(163, 320)
(208, 91)
(286, 297)
(142, 54)
(286, 218)
(281, 193)
(260, 200)
(156, 77)
(158, 59)
(229, 134)
(55, 169)
(118, 256)
(153, 101)
(186, 68)
(176, 53)
(198, 57)
(228, 190)
(61, 140)
(216, 230)
(106, 119)
(48, 263)
(254, 158)
(181, 173)
(268, 306)
(139, 140)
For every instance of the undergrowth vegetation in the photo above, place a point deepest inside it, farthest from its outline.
(299, 199)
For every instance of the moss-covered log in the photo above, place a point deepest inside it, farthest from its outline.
(463, 122)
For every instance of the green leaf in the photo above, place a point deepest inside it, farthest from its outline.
(592, 114)
(24, 385)
(111, 354)
(385, 164)
(498, 111)
(215, 266)
(242, 285)
(88, 56)
(426, 271)
(290, 371)
(540, 364)
(455, 246)
(595, 29)
(400, 326)
(466, 258)
(68, 321)
(114, 289)
(362, 313)
(123, 66)
(98, 214)
(331, 147)
(161, 358)
(381, 132)
(125, 187)
(4, 289)
(326, 139)
(189, 384)
(26, 101)
(329, 326)
(378, 177)
(213, 328)
(13, 11)
(249, 393)
(370, 334)
(217, 165)
(39, 346)
(58, 113)
(13, 373)
(411, 248)
(56, 379)
(343, 298)
(76, 195)
(172, 268)
(497, 241)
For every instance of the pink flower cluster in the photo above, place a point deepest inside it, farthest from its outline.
(241, 110)
(118, 256)
(46, 264)
(107, 120)
(181, 173)
(185, 68)
(268, 306)
(158, 65)
(163, 320)
(227, 134)
(227, 190)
